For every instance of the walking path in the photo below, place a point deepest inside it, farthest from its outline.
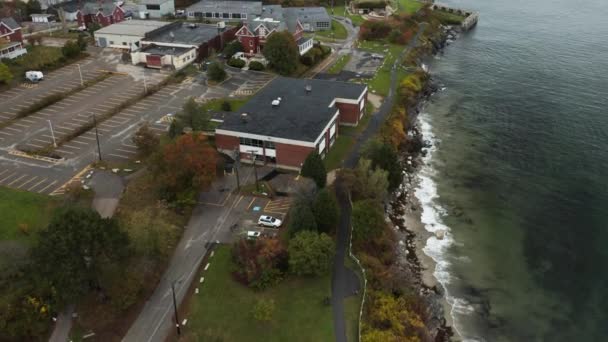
(344, 281)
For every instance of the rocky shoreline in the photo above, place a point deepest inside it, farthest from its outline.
(413, 265)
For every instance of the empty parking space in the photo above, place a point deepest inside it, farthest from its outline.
(29, 182)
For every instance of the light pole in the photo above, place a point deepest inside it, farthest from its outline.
(52, 133)
(177, 325)
(80, 73)
(145, 85)
(255, 171)
(97, 137)
(237, 157)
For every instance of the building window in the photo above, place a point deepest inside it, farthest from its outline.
(323, 24)
(124, 43)
(153, 7)
(269, 145)
(244, 15)
(251, 142)
(216, 15)
(236, 16)
(208, 15)
(226, 15)
(251, 43)
(111, 42)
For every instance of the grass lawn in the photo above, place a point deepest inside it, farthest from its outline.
(338, 31)
(409, 6)
(339, 64)
(356, 19)
(222, 311)
(448, 18)
(31, 211)
(380, 83)
(337, 153)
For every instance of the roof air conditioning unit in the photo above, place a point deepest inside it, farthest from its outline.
(244, 117)
(275, 103)
(308, 88)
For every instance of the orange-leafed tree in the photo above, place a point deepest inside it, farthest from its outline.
(188, 166)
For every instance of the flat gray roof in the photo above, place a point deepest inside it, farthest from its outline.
(226, 6)
(165, 50)
(307, 13)
(184, 33)
(301, 115)
(132, 27)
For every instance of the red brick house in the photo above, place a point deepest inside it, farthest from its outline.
(104, 15)
(11, 39)
(254, 32)
(290, 118)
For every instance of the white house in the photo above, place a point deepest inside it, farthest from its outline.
(156, 8)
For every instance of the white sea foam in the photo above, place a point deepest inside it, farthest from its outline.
(431, 217)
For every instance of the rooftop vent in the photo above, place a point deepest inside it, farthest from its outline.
(308, 88)
(244, 117)
(277, 102)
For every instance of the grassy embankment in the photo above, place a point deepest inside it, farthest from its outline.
(338, 65)
(221, 311)
(23, 214)
(339, 10)
(381, 82)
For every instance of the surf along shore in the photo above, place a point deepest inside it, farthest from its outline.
(415, 234)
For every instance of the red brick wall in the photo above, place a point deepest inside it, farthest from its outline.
(204, 50)
(118, 15)
(292, 155)
(349, 113)
(226, 142)
(249, 43)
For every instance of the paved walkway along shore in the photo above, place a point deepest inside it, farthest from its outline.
(344, 280)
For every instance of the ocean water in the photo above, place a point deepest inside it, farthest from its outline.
(518, 171)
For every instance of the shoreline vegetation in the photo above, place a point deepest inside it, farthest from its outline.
(404, 300)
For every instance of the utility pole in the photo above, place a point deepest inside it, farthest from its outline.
(255, 171)
(97, 137)
(237, 163)
(52, 133)
(145, 85)
(80, 72)
(177, 325)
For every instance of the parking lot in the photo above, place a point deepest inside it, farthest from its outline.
(58, 81)
(33, 132)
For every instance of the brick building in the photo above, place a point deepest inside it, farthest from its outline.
(178, 44)
(255, 31)
(290, 118)
(104, 14)
(11, 39)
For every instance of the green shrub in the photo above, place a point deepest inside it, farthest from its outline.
(231, 48)
(236, 62)
(216, 72)
(255, 65)
(5, 74)
(71, 49)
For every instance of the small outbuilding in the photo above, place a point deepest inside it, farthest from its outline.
(156, 9)
(42, 18)
(127, 34)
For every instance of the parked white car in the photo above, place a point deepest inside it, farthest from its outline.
(34, 76)
(269, 221)
(251, 235)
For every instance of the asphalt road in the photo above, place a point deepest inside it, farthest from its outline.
(344, 282)
(218, 209)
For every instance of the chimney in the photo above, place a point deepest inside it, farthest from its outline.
(308, 88)
(244, 118)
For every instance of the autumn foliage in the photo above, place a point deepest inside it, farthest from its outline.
(260, 263)
(187, 165)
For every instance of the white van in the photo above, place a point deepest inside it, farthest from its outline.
(34, 76)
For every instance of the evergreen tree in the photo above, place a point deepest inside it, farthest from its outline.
(313, 168)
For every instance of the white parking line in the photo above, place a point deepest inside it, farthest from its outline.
(80, 142)
(7, 177)
(63, 151)
(27, 182)
(35, 185)
(72, 147)
(119, 156)
(16, 180)
(13, 129)
(121, 150)
(46, 187)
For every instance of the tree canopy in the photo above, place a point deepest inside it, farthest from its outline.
(367, 220)
(73, 249)
(188, 165)
(366, 182)
(301, 218)
(216, 72)
(326, 211)
(314, 168)
(193, 115)
(384, 156)
(281, 51)
(146, 141)
(5, 74)
(310, 253)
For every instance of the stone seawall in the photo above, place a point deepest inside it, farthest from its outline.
(471, 17)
